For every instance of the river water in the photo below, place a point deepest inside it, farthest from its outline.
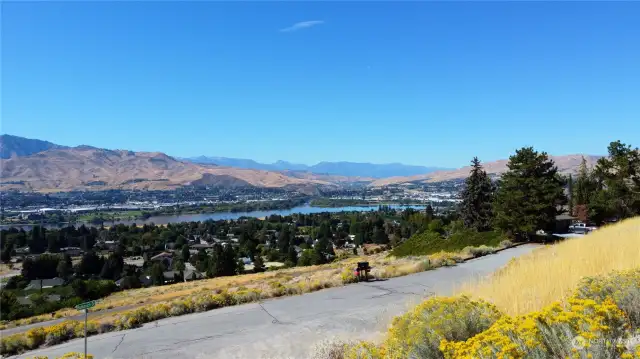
(199, 217)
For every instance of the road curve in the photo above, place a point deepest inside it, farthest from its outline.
(287, 327)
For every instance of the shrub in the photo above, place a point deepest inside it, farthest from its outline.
(623, 287)
(417, 334)
(430, 242)
(347, 276)
(548, 333)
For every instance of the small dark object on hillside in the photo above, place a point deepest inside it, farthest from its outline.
(362, 271)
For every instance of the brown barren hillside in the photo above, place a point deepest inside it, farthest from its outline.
(566, 164)
(89, 168)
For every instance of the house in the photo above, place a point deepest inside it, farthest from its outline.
(164, 258)
(134, 261)
(72, 251)
(170, 276)
(110, 245)
(38, 284)
(201, 246)
(563, 222)
(22, 251)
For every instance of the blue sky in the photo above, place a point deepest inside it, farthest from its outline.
(412, 82)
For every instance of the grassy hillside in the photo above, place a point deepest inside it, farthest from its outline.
(550, 273)
(430, 242)
(576, 299)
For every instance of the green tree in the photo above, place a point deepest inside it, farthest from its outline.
(570, 187)
(157, 274)
(258, 264)
(584, 185)
(185, 254)
(306, 257)
(8, 302)
(90, 264)
(53, 242)
(284, 239)
(530, 194)
(292, 256)
(79, 288)
(477, 198)
(618, 180)
(63, 269)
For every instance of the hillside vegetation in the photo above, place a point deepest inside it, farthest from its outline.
(429, 242)
(576, 299)
(550, 273)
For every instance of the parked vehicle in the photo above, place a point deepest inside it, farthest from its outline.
(580, 227)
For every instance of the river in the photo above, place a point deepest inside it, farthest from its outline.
(199, 217)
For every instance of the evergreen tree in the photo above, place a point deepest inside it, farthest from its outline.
(570, 184)
(530, 194)
(64, 269)
(584, 185)
(284, 239)
(618, 179)
(429, 211)
(157, 274)
(258, 264)
(292, 255)
(477, 198)
(185, 254)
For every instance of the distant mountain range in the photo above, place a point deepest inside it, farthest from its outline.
(350, 169)
(35, 165)
(11, 146)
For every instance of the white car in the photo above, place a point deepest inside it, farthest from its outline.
(581, 228)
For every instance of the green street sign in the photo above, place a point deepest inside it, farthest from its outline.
(86, 305)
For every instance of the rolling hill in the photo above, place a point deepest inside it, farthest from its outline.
(87, 168)
(567, 164)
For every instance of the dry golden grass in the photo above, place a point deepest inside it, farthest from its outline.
(551, 273)
(291, 281)
(6, 268)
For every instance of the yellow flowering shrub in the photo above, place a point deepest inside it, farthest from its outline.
(418, 333)
(348, 276)
(558, 331)
(623, 287)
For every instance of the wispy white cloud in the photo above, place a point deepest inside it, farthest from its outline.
(302, 25)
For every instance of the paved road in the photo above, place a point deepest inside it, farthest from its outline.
(285, 327)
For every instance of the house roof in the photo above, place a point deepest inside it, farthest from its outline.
(45, 283)
(564, 217)
(162, 256)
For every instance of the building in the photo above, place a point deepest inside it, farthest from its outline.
(39, 284)
(72, 251)
(563, 222)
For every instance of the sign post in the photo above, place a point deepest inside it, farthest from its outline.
(85, 306)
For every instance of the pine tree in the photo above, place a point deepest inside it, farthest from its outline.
(570, 189)
(530, 194)
(618, 184)
(477, 197)
(258, 264)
